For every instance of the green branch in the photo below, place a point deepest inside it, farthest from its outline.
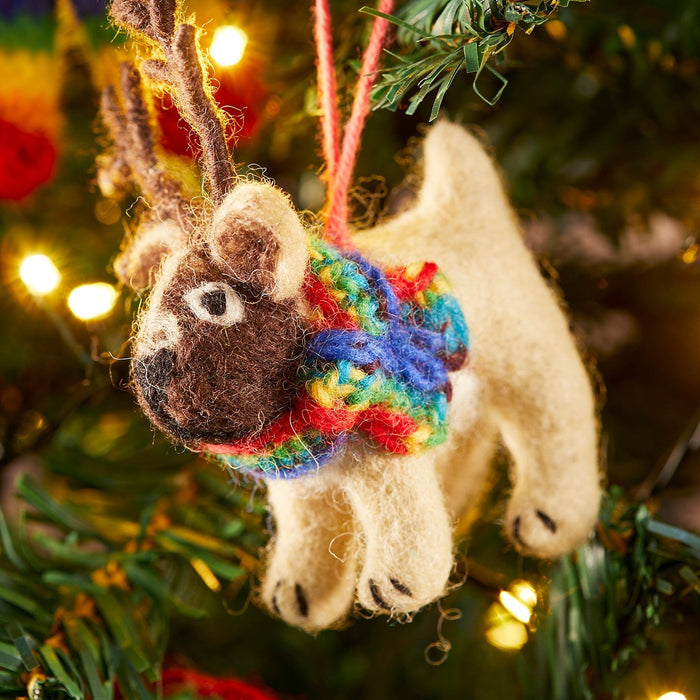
(91, 607)
(439, 39)
(606, 600)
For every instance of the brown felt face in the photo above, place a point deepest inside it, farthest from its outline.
(215, 356)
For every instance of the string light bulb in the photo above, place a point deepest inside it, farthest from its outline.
(39, 274)
(690, 254)
(673, 695)
(519, 600)
(228, 45)
(517, 609)
(506, 623)
(508, 636)
(92, 301)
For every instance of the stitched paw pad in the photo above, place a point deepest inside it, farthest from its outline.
(542, 533)
(389, 594)
(297, 604)
(288, 600)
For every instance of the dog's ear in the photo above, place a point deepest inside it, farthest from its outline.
(256, 236)
(141, 257)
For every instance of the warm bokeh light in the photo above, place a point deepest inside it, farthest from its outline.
(517, 609)
(672, 696)
(509, 636)
(525, 592)
(92, 301)
(506, 623)
(503, 630)
(39, 274)
(228, 45)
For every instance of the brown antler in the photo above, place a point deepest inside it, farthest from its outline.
(134, 146)
(182, 73)
(114, 170)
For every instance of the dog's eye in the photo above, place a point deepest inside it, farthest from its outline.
(215, 302)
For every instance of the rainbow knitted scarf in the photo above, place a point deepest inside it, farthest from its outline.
(376, 361)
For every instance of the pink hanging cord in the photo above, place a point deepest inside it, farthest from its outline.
(327, 87)
(340, 169)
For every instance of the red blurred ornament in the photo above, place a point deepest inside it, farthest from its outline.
(28, 160)
(241, 93)
(176, 680)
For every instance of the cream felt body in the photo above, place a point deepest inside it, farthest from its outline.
(535, 388)
(528, 385)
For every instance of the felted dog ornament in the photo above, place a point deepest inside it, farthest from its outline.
(329, 364)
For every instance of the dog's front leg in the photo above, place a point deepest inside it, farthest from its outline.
(311, 570)
(400, 508)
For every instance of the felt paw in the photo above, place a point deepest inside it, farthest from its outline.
(549, 532)
(301, 604)
(289, 601)
(406, 532)
(312, 560)
(389, 595)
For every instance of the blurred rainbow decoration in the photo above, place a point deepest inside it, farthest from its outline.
(30, 119)
(33, 34)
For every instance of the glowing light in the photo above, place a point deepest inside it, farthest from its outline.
(672, 696)
(92, 301)
(228, 45)
(525, 592)
(502, 630)
(509, 636)
(556, 29)
(515, 607)
(519, 600)
(39, 274)
(506, 623)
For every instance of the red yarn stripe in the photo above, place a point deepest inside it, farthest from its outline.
(327, 420)
(281, 429)
(389, 429)
(318, 295)
(406, 289)
(305, 414)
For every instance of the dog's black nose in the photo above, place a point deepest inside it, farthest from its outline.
(159, 367)
(153, 374)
